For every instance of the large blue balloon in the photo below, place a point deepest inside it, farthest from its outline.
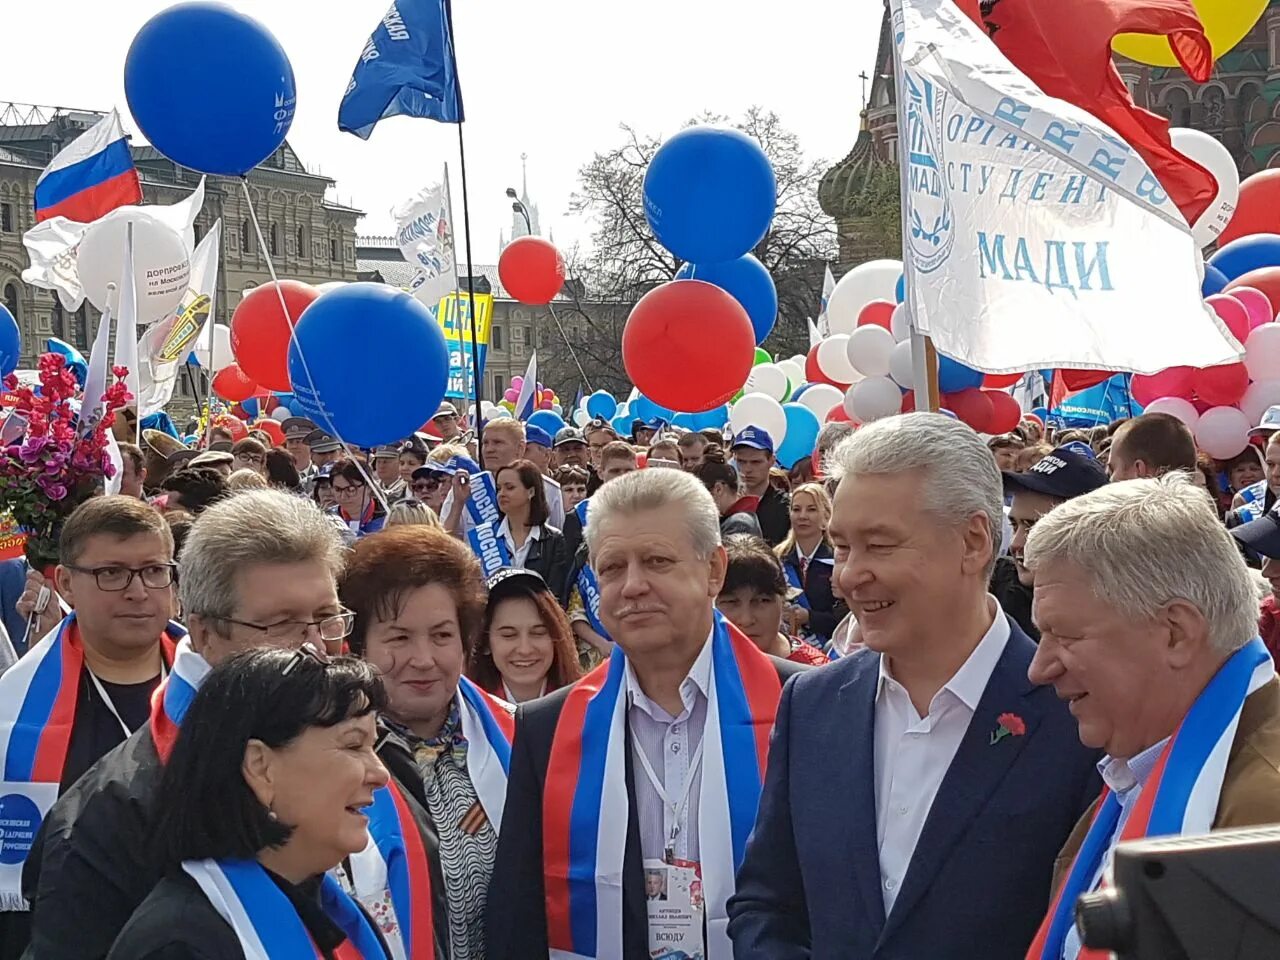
(1215, 281)
(748, 282)
(211, 88)
(602, 404)
(642, 408)
(1238, 257)
(10, 342)
(709, 194)
(802, 434)
(377, 360)
(954, 376)
(548, 420)
(76, 362)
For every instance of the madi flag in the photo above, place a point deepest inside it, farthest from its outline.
(1033, 235)
(406, 67)
(90, 177)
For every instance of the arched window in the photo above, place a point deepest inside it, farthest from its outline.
(11, 301)
(246, 238)
(302, 243)
(275, 240)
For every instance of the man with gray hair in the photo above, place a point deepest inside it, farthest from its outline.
(654, 761)
(954, 778)
(258, 569)
(1148, 627)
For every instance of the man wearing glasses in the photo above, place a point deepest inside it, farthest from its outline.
(249, 454)
(258, 569)
(446, 421)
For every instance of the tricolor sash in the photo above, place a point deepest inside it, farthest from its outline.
(489, 547)
(172, 699)
(391, 876)
(586, 803)
(482, 502)
(266, 923)
(38, 697)
(1180, 796)
(588, 585)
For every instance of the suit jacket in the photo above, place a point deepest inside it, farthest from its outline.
(516, 921)
(1250, 785)
(810, 884)
(825, 611)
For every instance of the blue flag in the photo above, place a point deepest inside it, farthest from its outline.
(407, 67)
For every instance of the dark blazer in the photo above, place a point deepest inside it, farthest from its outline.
(774, 514)
(516, 920)
(825, 611)
(809, 886)
(550, 557)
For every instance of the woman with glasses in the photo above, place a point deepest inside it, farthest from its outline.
(272, 783)
(356, 506)
(418, 599)
(522, 538)
(526, 647)
(429, 485)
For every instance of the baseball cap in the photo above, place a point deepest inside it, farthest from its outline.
(535, 434)
(515, 582)
(1270, 422)
(567, 435)
(446, 409)
(297, 428)
(456, 465)
(1069, 471)
(657, 423)
(1261, 535)
(753, 437)
(429, 470)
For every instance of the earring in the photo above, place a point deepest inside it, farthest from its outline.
(271, 815)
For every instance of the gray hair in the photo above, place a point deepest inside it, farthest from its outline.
(960, 475)
(1146, 543)
(652, 490)
(257, 526)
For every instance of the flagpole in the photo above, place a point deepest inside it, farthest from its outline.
(457, 304)
(471, 288)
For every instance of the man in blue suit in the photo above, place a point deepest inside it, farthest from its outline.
(919, 791)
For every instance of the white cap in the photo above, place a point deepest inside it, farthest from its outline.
(1270, 422)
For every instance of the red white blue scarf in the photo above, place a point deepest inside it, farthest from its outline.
(391, 876)
(266, 923)
(588, 586)
(172, 699)
(586, 805)
(1179, 798)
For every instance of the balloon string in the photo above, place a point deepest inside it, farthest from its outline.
(293, 341)
(572, 353)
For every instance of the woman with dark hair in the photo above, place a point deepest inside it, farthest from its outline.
(322, 489)
(737, 513)
(418, 599)
(522, 538)
(269, 787)
(526, 647)
(282, 470)
(754, 599)
(357, 507)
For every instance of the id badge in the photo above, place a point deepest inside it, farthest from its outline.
(23, 807)
(674, 902)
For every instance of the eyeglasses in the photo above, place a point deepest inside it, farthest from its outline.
(345, 489)
(114, 578)
(330, 628)
(251, 458)
(308, 651)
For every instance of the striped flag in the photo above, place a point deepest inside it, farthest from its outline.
(89, 177)
(526, 402)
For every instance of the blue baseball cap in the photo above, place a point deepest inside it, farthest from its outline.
(456, 465)
(1261, 535)
(1069, 471)
(535, 434)
(753, 437)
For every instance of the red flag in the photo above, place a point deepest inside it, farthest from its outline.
(1065, 49)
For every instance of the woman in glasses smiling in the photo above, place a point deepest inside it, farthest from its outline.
(357, 507)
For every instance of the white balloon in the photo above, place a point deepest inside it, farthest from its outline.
(1222, 432)
(581, 418)
(1184, 410)
(767, 378)
(220, 338)
(281, 413)
(1262, 352)
(833, 359)
(872, 399)
(762, 411)
(793, 370)
(499, 414)
(161, 263)
(869, 350)
(1214, 157)
(557, 409)
(821, 398)
(900, 323)
(1259, 395)
(902, 365)
(874, 280)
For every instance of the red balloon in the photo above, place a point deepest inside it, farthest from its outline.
(532, 270)
(813, 373)
(1005, 412)
(838, 414)
(1223, 385)
(998, 380)
(877, 313)
(688, 345)
(1257, 210)
(1232, 313)
(232, 385)
(1265, 279)
(260, 331)
(272, 430)
(1173, 382)
(971, 406)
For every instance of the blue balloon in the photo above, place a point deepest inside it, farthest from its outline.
(709, 194)
(1238, 257)
(377, 363)
(900, 292)
(602, 404)
(748, 282)
(1215, 281)
(548, 420)
(799, 391)
(10, 342)
(687, 421)
(642, 408)
(954, 376)
(76, 362)
(251, 407)
(712, 419)
(211, 88)
(621, 425)
(1042, 413)
(802, 434)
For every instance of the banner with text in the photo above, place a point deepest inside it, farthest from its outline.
(455, 316)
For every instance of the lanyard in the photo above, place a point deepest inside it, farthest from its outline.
(97, 685)
(677, 808)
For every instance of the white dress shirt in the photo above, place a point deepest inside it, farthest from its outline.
(669, 743)
(520, 555)
(913, 753)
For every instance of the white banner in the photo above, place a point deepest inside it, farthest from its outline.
(424, 233)
(1033, 236)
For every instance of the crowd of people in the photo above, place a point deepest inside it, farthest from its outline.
(587, 696)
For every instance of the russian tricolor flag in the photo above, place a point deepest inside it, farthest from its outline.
(90, 177)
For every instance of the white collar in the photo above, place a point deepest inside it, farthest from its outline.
(970, 681)
(697, 682)
(810, 555)
(504, 530)
(1121, 775)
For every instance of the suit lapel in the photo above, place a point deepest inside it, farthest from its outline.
(975, 773)
(856, 783)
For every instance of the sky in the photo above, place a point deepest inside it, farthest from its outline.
(549, 79)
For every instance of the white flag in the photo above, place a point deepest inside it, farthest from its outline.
(828, 287)
(126, 353)
(1033, 236)
(424, 233)
(815, 333)
(525, 400)
(95, 381)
